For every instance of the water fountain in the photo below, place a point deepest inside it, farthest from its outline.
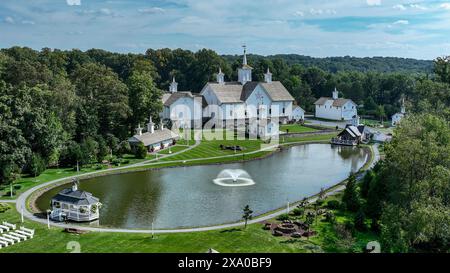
(233, 178)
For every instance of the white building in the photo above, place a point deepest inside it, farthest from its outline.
(298, 114)
(397, 117)
(153, 139)
(335, 108)
(183, 108)
(236, 103)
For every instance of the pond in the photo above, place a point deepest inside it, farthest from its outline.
(187, 196)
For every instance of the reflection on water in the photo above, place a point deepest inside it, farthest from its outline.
(186, 196)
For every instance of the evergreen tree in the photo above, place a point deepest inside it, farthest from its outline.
(351, 195)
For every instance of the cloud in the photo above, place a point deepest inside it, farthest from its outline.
(373, 2)
(28, 22)
(314, 11)
(445, 6)
(73, 2)
(417, 6)
(299, 13)
(152, 10)
(401, 22)
(399, 7)
(9, 20)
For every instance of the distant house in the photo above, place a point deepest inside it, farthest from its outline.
(397, 117)
(353, 134)
(298, 114)
(153, 139)
(335, 108)
(75, 205)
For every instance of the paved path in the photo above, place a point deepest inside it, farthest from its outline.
(7, 201)
(21, 203)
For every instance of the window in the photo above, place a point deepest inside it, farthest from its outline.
(231, 113)
(284, 110)
(270, 111)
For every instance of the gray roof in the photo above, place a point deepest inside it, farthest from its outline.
(149, 139)
(175, 96)
(77, 197)
(277, 91)
(336, 102)
(235, 92)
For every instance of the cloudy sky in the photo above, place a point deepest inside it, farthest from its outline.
(417, 29)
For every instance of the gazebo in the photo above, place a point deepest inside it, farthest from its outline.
(75, 205)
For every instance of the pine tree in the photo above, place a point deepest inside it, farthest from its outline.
(351, 196)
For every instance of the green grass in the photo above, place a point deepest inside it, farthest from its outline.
(173, 149)
(296, 128)
(251, 240)
(311, 138)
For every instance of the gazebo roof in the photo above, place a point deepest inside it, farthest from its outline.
(77, 197)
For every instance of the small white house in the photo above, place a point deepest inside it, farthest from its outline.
(335, 108)
(397, 117)
(298, 114)
(153, 139)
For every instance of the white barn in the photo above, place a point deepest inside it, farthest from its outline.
(397, 117)
(335, 108)
(154, 140)
(183, 108)
(298, 114)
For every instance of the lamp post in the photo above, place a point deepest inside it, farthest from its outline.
(21, 214)
(153, 233)
(48, 218)
(287, 208)
(11, 190)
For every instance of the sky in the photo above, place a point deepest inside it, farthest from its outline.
(362, 28)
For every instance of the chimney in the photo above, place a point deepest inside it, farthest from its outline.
(220, 77)
(335, 94)
(139, 130)
(150, 126)
(268, 76)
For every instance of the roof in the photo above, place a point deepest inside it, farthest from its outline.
(165, 96)
(353, 131)
(297, 106)
(158, 135)
(277, 91)
(235, 92)
(173, 97)
(77, 197)
(336, 102)
(228, 92)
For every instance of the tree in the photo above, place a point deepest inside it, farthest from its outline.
(365, 185)
(37, 165)
(351, 196)
(442, 68)
(360, 220)
(247, 214)
(140, 151)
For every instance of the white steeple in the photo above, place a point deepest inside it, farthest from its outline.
(173, 86)
(335, 94)
(139, 130)
(220, 77)
(150, 126)
(268, 76)
(245, 72)
(403, 108)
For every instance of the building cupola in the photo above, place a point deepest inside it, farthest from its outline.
(245, 72)
(139, 130)
(268, 76)
(150, 126)
(335, 94)
(173, 88)
(220, 77)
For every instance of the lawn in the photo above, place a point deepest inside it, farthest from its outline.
(296, 128)
(253, 239)
(173, 149)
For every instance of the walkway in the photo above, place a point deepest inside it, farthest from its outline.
(7, 201)
(21, 203)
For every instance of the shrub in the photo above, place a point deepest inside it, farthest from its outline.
(140, 151)
(4, 207)
(319, 202)
(17, 187)
(298, 211)
(329, 217)
(283, 217)
(36, 165)
(333, 204)
(359, 220)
